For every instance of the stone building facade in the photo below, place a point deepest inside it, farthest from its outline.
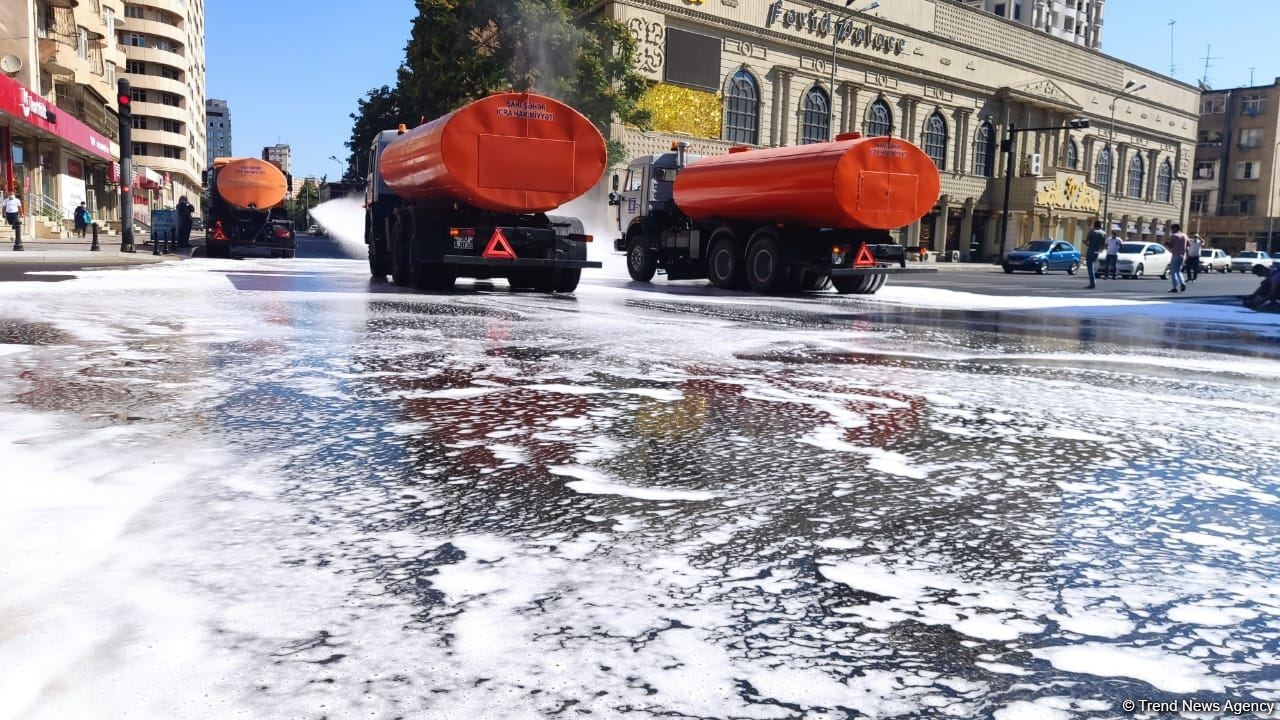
(946, 76)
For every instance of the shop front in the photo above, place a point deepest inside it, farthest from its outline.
(48, 158)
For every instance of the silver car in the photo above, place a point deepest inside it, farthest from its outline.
(1214, 260)
(1246, 259)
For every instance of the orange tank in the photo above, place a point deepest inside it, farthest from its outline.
(250, 183)
(853, 183)
(513, 152)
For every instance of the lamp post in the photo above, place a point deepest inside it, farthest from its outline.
(835, 41)
(342, 168)
(1129, 87)
(1006, 147)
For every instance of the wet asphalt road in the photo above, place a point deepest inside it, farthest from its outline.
(666, 501)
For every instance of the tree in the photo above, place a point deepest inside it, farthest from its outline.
(299, 207)
(463, 50)
(380, 109)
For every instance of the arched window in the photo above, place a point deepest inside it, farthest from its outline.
(742, 117)
(1164, 182)
(815, 126)
(1073, 155)
(935, 140)
(1135, 177)
(984, 151)
(879, 119)
(1102, 169)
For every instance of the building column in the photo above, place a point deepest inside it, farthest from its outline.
(962, 140)
(1153, 172)
(781, 100)
(908, 130)
(848, 107)
(966, 229)
(1119, 169)
(940, 227)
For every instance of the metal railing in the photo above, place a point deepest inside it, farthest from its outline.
(47, 207)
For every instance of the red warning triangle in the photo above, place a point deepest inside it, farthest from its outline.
(218, 233)
(864, 258)
(498, 247)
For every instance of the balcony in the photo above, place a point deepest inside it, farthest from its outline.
(159, 84)
(160, 110)
(158, 29)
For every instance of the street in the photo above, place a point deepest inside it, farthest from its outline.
(273, 488)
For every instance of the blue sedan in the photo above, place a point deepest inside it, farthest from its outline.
(1043, 256)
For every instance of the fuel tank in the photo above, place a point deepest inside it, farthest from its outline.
(512, 152)
(853, 183)
(250, 183)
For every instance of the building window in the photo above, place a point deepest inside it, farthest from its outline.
(138, 122)
(1204, 169)
(879, 119)
(133, 11)
(1247, 170)
(742, 119)
(1251, 138)
(1102, 169)
(140, 149)
(111, 74)
(1136, 176)
(135, 40)
(82, 43)
(172, 126)
(1164, 182)
(137, 95)
(984, 151)
(1244, 204)
(935, 140)
(815, 125)
(135, 67)
(1073, 155)
(170, 72)
(999, 9)
(1199, 203)
(170, 99)
(1209, 137)
(1214, 105)
(171, 152)
(1017, 11)
(1253, 105)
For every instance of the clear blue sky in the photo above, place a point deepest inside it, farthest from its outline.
(293, 69)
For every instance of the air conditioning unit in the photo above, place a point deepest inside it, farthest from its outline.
(1033, 164)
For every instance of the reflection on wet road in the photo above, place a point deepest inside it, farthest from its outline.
(671, 504)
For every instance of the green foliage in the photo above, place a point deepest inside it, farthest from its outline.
(463, 50)
(308, 198)
(380, 109)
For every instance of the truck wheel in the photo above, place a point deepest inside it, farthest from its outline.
(814, 282)
(401, 264)
(287, 254)
(765, 271)
(377, 257)
(724, 263)
(858, 284)
(641, 262)
(435, 277)
(568, 280)
(520, 280)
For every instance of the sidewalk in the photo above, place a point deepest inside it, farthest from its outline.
(75, 250)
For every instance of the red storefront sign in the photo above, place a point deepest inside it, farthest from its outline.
(25, 106)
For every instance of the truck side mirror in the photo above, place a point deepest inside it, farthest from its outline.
(615, 198)
(615, 182)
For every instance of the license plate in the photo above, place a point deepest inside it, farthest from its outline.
(464, 243)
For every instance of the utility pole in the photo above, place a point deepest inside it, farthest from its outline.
(1172, 67)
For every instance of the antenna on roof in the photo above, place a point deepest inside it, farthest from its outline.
(1172, 68)
(1208, 56)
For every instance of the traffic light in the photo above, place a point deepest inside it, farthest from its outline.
(126, 106)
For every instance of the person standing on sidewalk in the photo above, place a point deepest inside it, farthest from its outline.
(1178, 247)
(1094, 245)
(12, 209)
(1113, 255)
(1193, 258)
(185, 209)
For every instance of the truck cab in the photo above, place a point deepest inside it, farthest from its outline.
(646, 185)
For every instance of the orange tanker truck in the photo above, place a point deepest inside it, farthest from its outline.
(246, 208)
(776, 219)
(467, 194)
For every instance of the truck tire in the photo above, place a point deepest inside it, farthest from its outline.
(641, 261)
(724, 263)
(520, 280)
(287, 254)
(401, 262)
(377, 256)
(859, 284)
(435, 277)
(766, 272)
(569, 280)
(814, 281)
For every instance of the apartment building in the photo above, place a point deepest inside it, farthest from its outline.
(163, 43)
(217, 130)
(59, 126)
(279, 155)
(1235, 200)
(1077, 21)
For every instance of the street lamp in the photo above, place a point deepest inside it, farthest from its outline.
(1129, 87)
(835, 39)
(342, 168)
(1006, 147)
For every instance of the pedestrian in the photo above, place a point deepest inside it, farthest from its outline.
(1113, 255)
(185, 210)
(1178, 247)
(1193, 258)
(1094, 245)
(12, 210)
(79, 219)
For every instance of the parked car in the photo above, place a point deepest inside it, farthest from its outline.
(313, 230)
(1043, 256)
(197, 224)
(1214, 260)
(1246, 259)
(1143, 258)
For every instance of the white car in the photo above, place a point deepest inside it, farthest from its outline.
(1246, 259)
(1214, 260)
(1142, 258)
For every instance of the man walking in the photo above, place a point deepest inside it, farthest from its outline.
(1113, 255)
(1094, 245)
(185, 209)
(12, 209)
(1178, 247)
(1193, 258)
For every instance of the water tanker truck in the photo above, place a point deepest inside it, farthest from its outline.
(775, 219)
(467, 194)
(246, 208)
